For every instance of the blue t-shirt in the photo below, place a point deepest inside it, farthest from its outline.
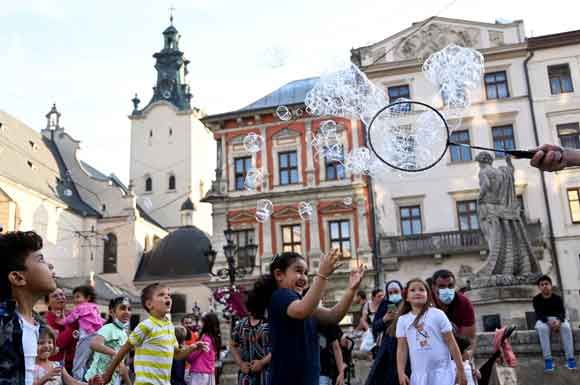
(295, 347)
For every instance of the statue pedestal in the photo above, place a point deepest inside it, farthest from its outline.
(509, 302)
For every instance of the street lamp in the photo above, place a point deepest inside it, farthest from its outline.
(245, 253)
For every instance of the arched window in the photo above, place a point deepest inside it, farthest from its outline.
(172, 182)
(110, 254)
(148, 184)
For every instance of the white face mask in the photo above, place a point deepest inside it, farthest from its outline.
(395, 298)
(122, 325)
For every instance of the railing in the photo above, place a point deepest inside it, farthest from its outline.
(447, 242)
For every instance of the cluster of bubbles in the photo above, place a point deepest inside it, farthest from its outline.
(346, 93)
(326, 142)
(305, 211)
(455, 71)
(284, 113)
(408, 136)
(264, 209)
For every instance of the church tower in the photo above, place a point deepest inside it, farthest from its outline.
(172, 153)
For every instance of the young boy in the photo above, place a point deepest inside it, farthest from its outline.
(154, 342)
(551, 317)
(25, 277)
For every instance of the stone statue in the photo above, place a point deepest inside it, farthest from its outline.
(510, 260)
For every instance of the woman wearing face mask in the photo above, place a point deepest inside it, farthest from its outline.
(384, 369)
(109, 340)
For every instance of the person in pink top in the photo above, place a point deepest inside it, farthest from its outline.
(202, 363)
(86, 313)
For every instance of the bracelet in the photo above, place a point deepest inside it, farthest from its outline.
(322, 276)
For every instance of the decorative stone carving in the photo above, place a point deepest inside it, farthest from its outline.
(496, 38)
(435, 37)
(510, 260)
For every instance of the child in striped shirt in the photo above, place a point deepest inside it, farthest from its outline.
(154, 342)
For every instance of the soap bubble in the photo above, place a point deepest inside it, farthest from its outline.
(147, 204)
(68, 192)
(283, 113)
(254, 179)
(347, 201)
(305, 211)
(253, 142)
(264, 208)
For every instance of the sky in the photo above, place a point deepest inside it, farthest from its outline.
(91, 57)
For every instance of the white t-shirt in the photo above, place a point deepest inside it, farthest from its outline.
(29, 347)
(468, 372)
(430, 358)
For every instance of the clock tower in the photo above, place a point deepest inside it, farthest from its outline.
(172, 152)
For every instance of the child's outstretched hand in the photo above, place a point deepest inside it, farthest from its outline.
(356, 277)
(202, 346)
(329, 263)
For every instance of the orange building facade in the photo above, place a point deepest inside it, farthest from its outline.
(293, 172)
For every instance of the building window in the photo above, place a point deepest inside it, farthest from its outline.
(148, 184)
(560, 79)
(242, 238)
(170, 131)
(288, 166)
(569, 135)
(574, 204)
(110, 254)
(460, 153)
(150, 133)
(467, 215)
(340, 237)
(410, 220)
(292, 238)
(171, 182)
(335, 166)
(398, 92)
(241, 167)
(496, 86)
(503, 139)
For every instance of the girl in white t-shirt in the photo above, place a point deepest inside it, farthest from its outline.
(425, 333)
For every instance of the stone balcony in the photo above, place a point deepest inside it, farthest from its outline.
(392, 249)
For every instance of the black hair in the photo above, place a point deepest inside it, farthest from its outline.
(544, 278)
(87, 291)
(47, 331)
(375, 292)
(443, 273)
(181, 334)
(361, 293)
(463, 343)
(266, 284)
(113, 305)
(256, 304)
(211, 328)
(147, 293)
(15, 247)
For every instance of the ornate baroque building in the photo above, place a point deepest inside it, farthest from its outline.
(528, 95)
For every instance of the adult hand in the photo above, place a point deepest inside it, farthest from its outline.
(329, 263)
(203, 346)
(549, 157)
(356, 277)
(257, 366)
(403, 379)
(389, 316)
(340, 379)
(245, 367)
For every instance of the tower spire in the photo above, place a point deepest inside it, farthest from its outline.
(171, 9)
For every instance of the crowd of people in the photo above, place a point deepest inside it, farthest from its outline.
(423, 331)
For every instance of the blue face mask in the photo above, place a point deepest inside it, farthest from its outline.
(446, 295)
(395, 298)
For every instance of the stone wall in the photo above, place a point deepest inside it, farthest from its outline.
(525, 344)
